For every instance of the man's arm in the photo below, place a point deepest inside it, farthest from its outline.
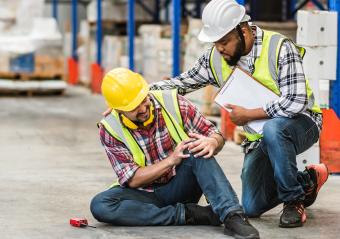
(209, 140)
(292, 83)
(146, 175)
(197, 77)
(128, 172)
(241, 116)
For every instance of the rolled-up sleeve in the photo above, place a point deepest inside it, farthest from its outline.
(292, 84)
(197, 77)
(119, 157)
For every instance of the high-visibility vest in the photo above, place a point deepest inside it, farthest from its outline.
(266, 71)
(172, 117)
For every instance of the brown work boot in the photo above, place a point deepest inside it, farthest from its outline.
(199, 215)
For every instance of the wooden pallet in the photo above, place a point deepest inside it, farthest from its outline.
(46, 67)
(32, 87)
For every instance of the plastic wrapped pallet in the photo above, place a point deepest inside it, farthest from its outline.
(154, 52)
(158, 64)
(202, 98)
(112, 51)
(4, 61)
(116, 11)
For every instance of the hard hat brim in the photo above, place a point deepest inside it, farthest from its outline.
(206, 36)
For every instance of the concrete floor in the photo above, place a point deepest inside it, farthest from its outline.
(52, 164)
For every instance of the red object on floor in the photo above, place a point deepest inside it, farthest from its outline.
(73, 72)
(227, 126)
(330, 141)
(78, 222)
(97, 73)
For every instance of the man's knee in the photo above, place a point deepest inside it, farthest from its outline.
(273, 130)
(101, 207)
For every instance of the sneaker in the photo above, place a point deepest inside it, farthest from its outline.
(199, 215)
(238, 226)
(293, 214)
(319, 175)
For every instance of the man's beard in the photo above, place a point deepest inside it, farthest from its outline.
(237, 55)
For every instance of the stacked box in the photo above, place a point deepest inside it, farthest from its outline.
(156, 53)
(203, 98)
(310, 156)
(317, 33)
(23, 63)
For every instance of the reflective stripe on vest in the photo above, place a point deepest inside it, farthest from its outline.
(266, 70)
(172, 117)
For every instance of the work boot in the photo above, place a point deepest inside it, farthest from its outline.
(293, 214)
(318, 174)
(199, 215)
(238, 226)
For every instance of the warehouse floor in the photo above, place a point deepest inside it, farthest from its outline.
(52, 164)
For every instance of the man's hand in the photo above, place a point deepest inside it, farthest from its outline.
(202, 145)
(178, 155)
(238, 114)
(106, 112)
(241, 116)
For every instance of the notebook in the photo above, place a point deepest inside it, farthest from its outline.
(243, 90)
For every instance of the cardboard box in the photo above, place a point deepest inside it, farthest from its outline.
(317, 28)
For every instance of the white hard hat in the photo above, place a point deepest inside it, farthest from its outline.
(219, 18)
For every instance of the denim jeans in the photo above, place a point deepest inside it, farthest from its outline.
(165, 206)
(269, 174)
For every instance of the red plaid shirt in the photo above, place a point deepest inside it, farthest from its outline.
(156, 142)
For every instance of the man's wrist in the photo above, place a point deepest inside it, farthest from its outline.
(170, 161)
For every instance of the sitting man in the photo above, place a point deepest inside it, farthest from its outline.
(161, 149)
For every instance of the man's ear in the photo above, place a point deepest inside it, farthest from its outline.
(245, 28)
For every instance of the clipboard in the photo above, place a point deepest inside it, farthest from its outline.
(244, 90)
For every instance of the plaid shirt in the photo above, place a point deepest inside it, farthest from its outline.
(291, 81)
(156, 142)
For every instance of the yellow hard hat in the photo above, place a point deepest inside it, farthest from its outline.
(124, 89)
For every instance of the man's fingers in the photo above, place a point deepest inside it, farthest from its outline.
(186, 141)
(185, 155)
(106, 112)
(210, 154)
(196, 148)
(229, 106)
(195, 135)
(201, 153)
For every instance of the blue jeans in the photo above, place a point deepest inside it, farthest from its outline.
(165, 206)
(269, 174)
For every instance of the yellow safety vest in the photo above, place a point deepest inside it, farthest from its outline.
(172, 117)
(266, 71)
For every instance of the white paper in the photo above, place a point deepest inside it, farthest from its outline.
(243, 90)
